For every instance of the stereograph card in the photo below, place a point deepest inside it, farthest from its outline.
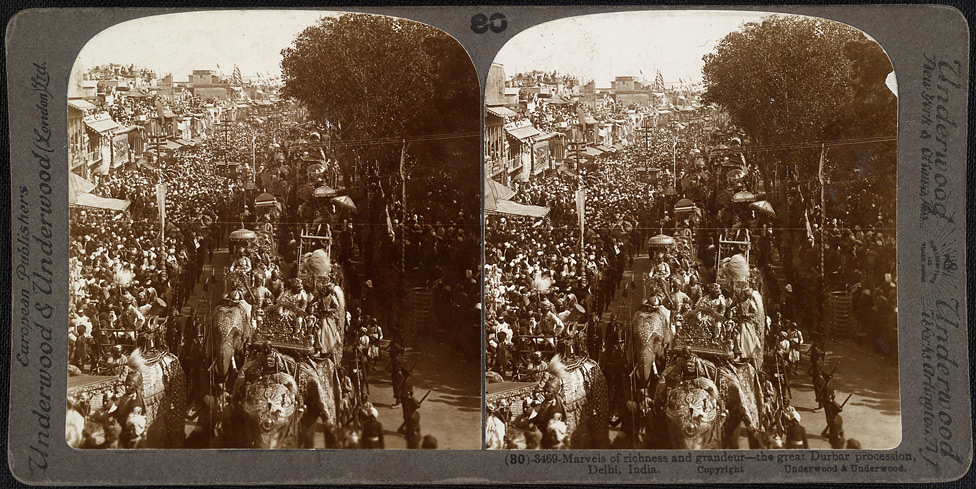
(489, 244)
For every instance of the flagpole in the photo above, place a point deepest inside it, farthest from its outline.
(823, 214)
(403, 204)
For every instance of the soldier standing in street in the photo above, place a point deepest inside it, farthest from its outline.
(835, 424)
(410, 428)
(796, 434)
(372, 430)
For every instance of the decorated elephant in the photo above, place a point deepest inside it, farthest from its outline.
(576, 411)
(704, 403)
(279, 398)
(148, 413)
(229, 334)
(650, 337)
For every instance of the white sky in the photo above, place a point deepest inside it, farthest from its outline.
(603, 46)
(180, 43)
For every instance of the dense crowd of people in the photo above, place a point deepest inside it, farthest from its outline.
(130, 277)
(549, 283)
(134, 271)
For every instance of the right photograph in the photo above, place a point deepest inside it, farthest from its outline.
(690, 235)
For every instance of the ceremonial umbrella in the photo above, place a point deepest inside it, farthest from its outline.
(325, 191)
(763, 207)
(265, 200)
(345, 201)
(661, 240)
(241, 234)
(684, 205)
(744, 196)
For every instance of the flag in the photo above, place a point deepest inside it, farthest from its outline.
(820, 167)
(389, 224)
(403, 159)
(161, 202)
(806, 223)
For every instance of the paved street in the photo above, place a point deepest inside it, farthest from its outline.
(452, 411)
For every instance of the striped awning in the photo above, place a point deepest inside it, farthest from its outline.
(103, 125)
(500, 111)
(80, 104)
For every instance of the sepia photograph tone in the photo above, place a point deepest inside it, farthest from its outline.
(690, 235)
(274, 234)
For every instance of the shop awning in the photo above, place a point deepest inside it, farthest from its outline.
(168, 114)
(103, 125)
(509, 208)
(498, 190)
(78, 183)
(605, 149)
(85, 199)
(523, 133)
(81, 104)
(184, 142)
(500, 111)
(593, 152)
(171, 145)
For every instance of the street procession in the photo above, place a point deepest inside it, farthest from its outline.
(691, 263)
(270, 260)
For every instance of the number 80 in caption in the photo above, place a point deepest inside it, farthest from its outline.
(538, 458)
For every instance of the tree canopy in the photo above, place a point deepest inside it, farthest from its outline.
(790, 82)
(376, 81)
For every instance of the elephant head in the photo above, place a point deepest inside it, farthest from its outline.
(650, 337)
(229, 330)
(692, 413)
(271, 405)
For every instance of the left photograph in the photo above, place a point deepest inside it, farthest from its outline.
(275, 234)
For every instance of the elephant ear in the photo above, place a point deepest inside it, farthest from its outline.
(743, 393)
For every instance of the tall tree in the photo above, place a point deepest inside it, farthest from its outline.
(782, 81)
(378, 80)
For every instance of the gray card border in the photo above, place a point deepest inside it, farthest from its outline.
(909, 33)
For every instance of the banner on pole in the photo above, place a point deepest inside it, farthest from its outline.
(581, 207)
(161, 202)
